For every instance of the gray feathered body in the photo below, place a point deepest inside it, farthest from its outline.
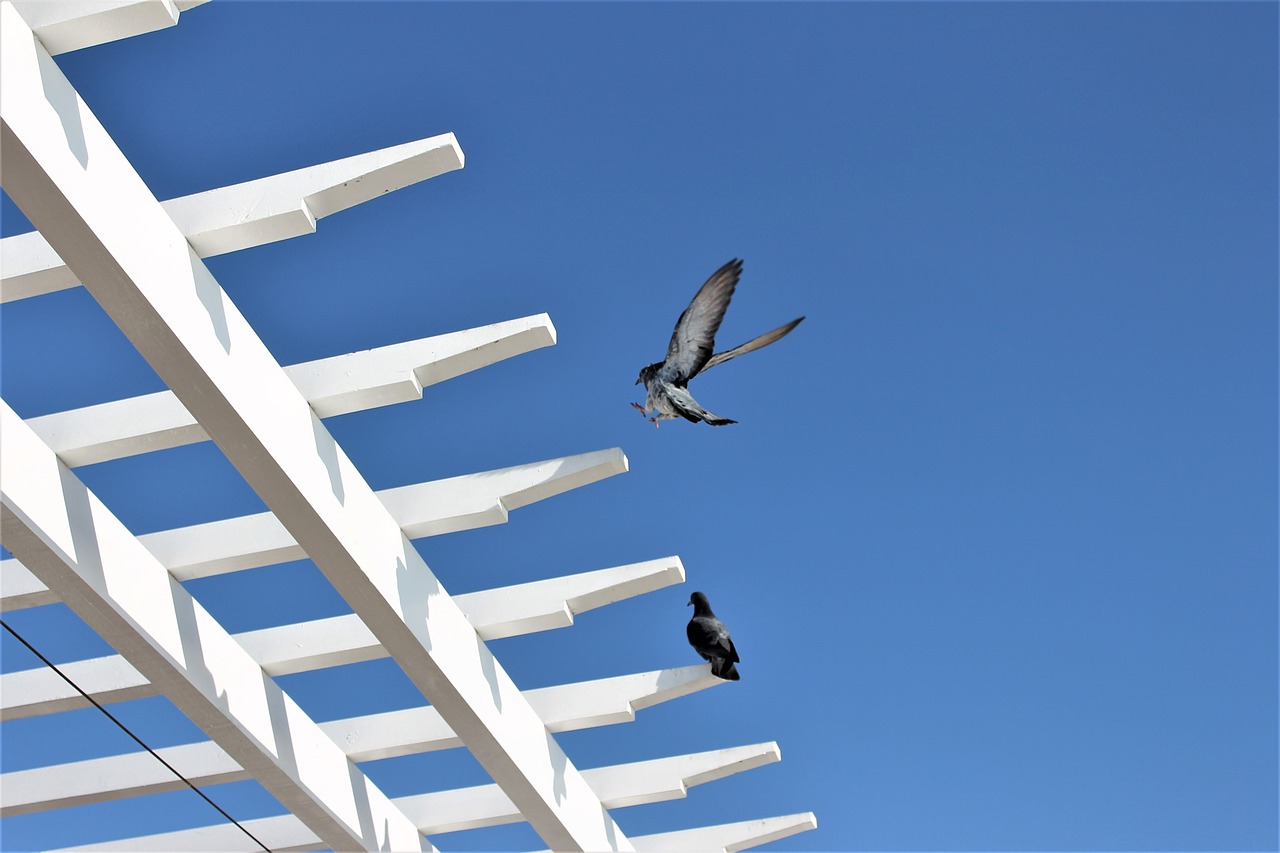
(691, 349)
(665, 395)
(710, 639)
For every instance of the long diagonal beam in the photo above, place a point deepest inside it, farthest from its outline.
(337, 640)
(77, 188)
(248, 214)
(73, 542)
(390, 734)
(422, 509)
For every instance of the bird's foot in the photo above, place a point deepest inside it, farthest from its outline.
(655, 422)
(639, 408)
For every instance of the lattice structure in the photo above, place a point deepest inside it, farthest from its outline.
(99, 227)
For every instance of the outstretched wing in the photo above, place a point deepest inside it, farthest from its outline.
(695, 335)
(753, 344)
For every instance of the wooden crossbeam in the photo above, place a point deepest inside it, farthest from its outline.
(422, 509)
(248, 214)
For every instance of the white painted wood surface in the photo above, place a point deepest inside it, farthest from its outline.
(485, 805)
(338, 385)
(337, 640)
(71, 541)
(66, 25)
(249, 214)
(390, 734)
(728, 837)
(422, 509)
(76, 187)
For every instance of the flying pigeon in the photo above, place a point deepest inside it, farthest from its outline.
(690, 352)
(710, 638)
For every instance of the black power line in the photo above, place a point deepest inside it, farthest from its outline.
(125, 729)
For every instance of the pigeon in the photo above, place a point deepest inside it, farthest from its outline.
(690, 352)
(710, 638)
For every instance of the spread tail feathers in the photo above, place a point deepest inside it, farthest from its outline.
(753, 344)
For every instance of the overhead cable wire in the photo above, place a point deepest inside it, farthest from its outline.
(126, 730)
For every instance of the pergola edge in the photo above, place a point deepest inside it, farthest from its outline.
(69, 178)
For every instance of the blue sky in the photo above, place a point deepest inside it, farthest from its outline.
(996, 532)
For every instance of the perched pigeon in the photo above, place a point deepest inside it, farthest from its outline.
(690, 352)
(710, 638)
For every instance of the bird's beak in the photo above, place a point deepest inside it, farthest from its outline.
(637, 380)
(690, 604)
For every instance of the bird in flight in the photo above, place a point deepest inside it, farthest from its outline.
(710, 638)
(690, 352)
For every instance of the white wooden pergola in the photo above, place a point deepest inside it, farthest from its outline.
(99, 227)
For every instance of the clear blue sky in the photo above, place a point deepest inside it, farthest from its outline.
(996, 532)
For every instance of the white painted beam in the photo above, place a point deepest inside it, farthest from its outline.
(333, 386)
(390, 734)
(496, 613)
(72, 542)
(470, 808)
(619, 786)
(251, 213)
(552, 603)
(337, 640)
(423, 509)
(70, 179)
(66, 25)
(728, 837)
(20, 589)
(283, 834)
(39, 691)
(566, 707)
